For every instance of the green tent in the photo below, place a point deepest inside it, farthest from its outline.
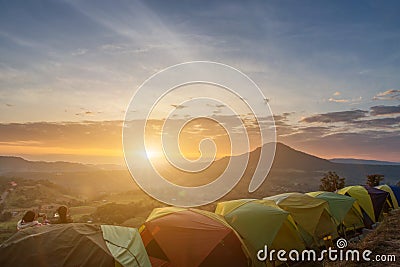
(74, 244)
(339, 205)
(310, 214)
(126, 246)
(260, 223)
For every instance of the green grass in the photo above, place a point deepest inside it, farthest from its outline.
(79, 211)
(82, 210)
(7, 229)
(125, 197)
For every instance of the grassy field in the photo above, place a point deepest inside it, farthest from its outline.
(384, 240)
(7, 229)
(127, 197)
(79, 211)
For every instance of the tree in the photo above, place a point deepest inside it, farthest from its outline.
(331, 182)
(374, 179)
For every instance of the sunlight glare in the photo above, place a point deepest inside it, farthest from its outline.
(151, 154)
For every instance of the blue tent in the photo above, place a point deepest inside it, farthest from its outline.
(396, 191)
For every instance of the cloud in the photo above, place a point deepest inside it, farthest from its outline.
(103, 134)
(302, 133)
(364, 72)
(340, 116)
(391, 94)
(123, 48)
(356, 119)
(282, 119)
(337, 93)
(384, 110)
(338, 100)
(344, 100)
(378, 123)
(87, 141)
(79, 52)
(179, 106)
(87, 113)
(328, 142)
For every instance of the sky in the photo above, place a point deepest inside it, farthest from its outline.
(329, 69)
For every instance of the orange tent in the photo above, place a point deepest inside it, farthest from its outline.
(190, 237)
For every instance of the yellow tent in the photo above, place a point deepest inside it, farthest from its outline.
(364, 202)
(393, 200)
(344, 209)
(310, 214)
(354, 218)
(260, 223)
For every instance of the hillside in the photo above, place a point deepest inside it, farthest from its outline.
(85, 184)
(30, 193)
(297, 171)
(292, 170)
(18, 164)
(385, 240)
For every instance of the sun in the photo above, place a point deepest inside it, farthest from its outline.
(152, 154)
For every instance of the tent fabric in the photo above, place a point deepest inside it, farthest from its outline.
(260, 223)
(311, 215)
(57, 245)
(126, 245)
(226, 207)
(364, 201)
(354, 218)
(378, 198)
(392, 198)
(396, 192)
(339, 205)
(189, 237)
(159, 212)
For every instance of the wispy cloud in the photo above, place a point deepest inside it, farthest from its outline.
(104, 134)
(95, 53)
(179, 106)
(335, 99)
(87, 113)
(358, 118)
(79, 52)
(338, 100)
(391, 94)
(378, 123)
(340, 116)
(385, 110)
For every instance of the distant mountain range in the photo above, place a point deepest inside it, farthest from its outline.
(292, 170)
(296, 171)
(18, 164)
(362, 161)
